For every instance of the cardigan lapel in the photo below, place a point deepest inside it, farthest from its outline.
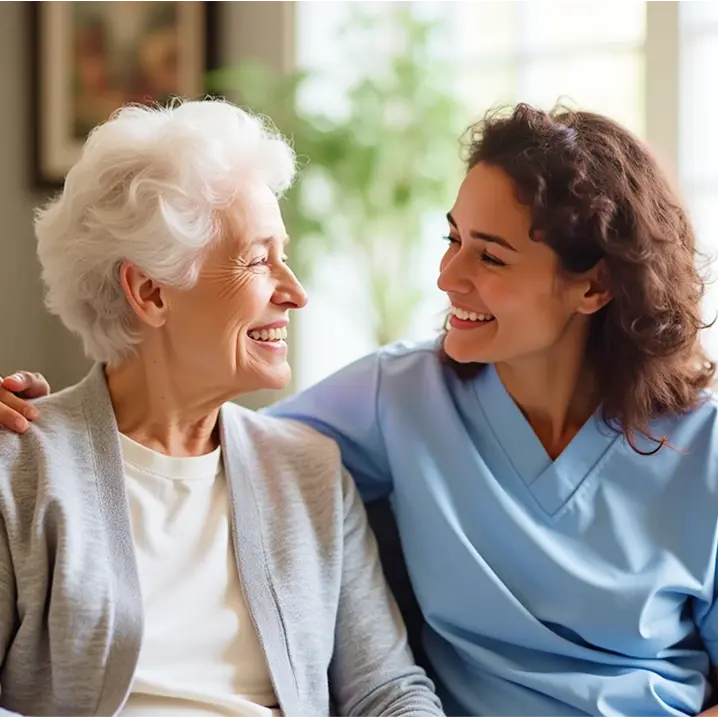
(127, 626)
(247, 527)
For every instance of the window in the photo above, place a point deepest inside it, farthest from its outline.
(633, 61)
(698, 138)
(590, 54)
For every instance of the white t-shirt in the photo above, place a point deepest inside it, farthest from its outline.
(200, 652)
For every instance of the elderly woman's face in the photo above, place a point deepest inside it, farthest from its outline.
(231, 327)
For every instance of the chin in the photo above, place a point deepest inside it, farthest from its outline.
(464, 352)
(276, 380)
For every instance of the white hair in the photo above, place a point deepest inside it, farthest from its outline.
(149, 187)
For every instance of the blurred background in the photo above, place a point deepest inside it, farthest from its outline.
(375, 96)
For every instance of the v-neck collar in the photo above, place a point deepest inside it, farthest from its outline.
(550, 482)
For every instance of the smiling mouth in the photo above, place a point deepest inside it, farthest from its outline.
(471, 316)
(269, 335)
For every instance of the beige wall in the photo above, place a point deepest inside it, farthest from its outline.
(27, 333)
(29, 337)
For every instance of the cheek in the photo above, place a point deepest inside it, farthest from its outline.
(520, 293)
(502, 295)
(221, 311)
(524, 309)
(246, 302)
(543, 310)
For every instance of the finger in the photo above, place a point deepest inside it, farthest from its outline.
(17, 382)
(14, 412)
(30, 385)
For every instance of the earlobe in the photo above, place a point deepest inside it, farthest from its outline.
(143, 294)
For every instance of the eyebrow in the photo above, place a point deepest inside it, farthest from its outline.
(492, 238)
(266, 241)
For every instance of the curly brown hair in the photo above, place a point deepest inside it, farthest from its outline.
(596, 192)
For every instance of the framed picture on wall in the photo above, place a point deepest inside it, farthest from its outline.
(89, 58)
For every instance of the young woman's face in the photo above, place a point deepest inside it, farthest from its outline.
(509, 301)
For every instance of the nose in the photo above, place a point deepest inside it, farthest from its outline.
(453, 277)
(289, 293)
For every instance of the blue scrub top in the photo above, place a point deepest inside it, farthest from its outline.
(584, 585)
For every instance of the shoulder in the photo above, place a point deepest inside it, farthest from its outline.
(352, 392)
(694, 430)
(61, 419)
(412, 377)
(692, 451)
(399, 357)
(410, 354)
(407, 365)
(55, 445)
(296, 473)
(282, 439)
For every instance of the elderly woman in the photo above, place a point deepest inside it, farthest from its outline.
(164, 551)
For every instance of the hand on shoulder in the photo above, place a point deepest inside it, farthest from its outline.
(15, 392)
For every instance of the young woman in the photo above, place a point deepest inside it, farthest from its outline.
(552, 460)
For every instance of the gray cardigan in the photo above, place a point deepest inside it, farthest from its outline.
(71, 616)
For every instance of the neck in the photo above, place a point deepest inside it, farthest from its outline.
(555, 391)
(161, 409)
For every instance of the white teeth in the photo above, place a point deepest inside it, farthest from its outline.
(269, 334)
(470, 315)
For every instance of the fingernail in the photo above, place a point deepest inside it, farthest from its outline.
(32, 413)
(17, 377)
(20, 424)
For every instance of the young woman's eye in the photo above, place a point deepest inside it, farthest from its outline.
(451, 240)
(491, 260)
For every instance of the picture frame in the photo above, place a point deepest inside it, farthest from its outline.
(90, 58)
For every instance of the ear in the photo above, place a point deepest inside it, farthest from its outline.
(597, 289)
(144, 295)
